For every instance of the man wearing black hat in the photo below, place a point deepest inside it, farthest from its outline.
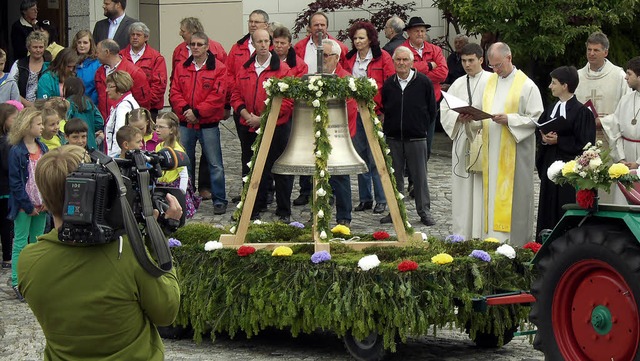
(428, 59)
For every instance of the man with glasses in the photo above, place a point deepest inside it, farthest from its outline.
(239, 54)
(197, 95)
(508, 149)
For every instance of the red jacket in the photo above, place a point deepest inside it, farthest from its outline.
(249, 94)
(140, 89)
(379, 69)
(421, 63)
(203, 91)
(301, 49)
(297, 64)
(352, 105)
(154, 67)
(181, 53)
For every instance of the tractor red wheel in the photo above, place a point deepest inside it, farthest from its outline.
(587, 292)
(602, 318)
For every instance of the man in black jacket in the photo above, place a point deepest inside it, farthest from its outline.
(409, 107)
(116, 25)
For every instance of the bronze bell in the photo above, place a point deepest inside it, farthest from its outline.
(299, 157)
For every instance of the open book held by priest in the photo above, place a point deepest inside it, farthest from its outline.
(458, 105)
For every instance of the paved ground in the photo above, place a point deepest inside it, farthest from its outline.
(22, 339)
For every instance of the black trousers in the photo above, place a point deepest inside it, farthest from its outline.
(6, 230)
(283, 183)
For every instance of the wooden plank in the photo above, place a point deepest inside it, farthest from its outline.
(378, 157)
(258, 168)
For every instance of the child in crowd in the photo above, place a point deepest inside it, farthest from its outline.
(60, 105)
(52, 136)
(25, 202)
(8, 114)
(168, 130)
(128, 138)
(141, 119)
(8, 86)
(82, 107)
(75, 132)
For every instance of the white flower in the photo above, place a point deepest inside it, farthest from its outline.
(283, 86)
(387, 151)
(555, 169)
(582, 174)
(368, 262)
(311, 87)
(319, 93)
(250, 164)
(424, 236)
(318, 154)
(373, 83)
(376, 121)
(257, 221)
(595, 163)
(233, 230)
(314, 78)
(353, 87)
(400, 195)
(408, 224)
(239, 205)
(266, 101)
(380, 134)
(321, 192)
(245, 179)
(321, 214)
(259, 130)
(254, 147)
(212, 246)
(598, 143)
(268, 91)
(319, 83)
(323, 235)
(321, 174)
(318, 119)
(587, 146)
(266, 83)
(392, 170)
(316, 103)
(507, 251)
(317, 134)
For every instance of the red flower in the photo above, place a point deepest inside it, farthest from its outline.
(585, 198)
(380, 235)
(244, 251)
(406, 266)
(533, 246)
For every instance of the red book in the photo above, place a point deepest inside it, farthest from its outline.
(589, 104)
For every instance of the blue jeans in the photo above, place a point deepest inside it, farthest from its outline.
(209, 139)
(341, 186)
(361, 145)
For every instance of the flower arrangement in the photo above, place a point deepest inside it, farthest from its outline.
(590, 171)
(341, 230)
(320, 256)
(282, 251)
(368, 262)
(507, 251)
(380, 235)
(442, 258)
(492, 240)
(244, 251)
(454, 238)
(481, 255)
(212, 246)
(173, 242)
(316, 90)
(533, 246)
(406, 266)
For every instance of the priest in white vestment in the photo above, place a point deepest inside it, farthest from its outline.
(622, 127)
(466, 188)
(604, 84)
(509, 150)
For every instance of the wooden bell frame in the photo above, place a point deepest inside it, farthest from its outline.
(237, 240)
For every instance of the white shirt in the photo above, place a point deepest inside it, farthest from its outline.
(198, 67)
(108, 70)
(250, 46)
(419, 50)
(135, 57)
(361, 65)
(404, 82)
(262, 67)
(113, 26)
(311, 56)
(560, 107)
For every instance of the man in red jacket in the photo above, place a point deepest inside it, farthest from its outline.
(239, 54)
(307, 48)
(150, 61)
(197, 96)
(428, 60)
(248, 100)
(108, 54)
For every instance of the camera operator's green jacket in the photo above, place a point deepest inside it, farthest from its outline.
(92, 305)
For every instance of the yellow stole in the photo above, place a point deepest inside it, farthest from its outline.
(507, 159)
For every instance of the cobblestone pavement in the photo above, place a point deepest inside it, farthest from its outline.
(22, 339)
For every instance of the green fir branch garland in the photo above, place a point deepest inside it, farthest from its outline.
(316, 90)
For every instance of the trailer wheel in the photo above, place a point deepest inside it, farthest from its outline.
(369, 349)
(587, 295)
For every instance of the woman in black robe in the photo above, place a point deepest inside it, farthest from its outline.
(569, 127)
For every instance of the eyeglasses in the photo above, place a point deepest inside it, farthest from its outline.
(499, 65)
(197, 45)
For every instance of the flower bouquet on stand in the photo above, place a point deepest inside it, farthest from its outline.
(590, 171)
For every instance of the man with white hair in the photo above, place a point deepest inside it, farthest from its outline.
(150, 61)
(508, 149)
(409, 108)
(394, 31)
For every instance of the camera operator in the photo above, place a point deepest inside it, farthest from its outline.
(91, 301)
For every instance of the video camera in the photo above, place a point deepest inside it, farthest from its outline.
(110, 197)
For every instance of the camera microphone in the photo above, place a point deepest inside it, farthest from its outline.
(169, 158)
